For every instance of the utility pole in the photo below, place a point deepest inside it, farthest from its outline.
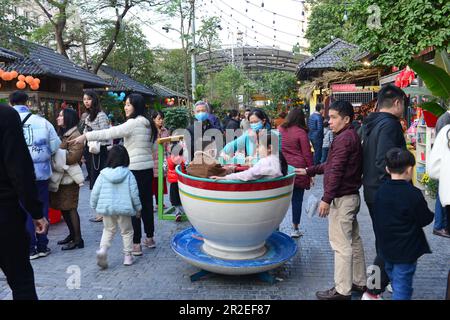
(193, 64)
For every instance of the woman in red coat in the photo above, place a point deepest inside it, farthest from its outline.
(296, 149)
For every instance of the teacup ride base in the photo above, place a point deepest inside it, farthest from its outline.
(188, 244)
(234, 224)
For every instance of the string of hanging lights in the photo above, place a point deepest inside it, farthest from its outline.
(252, 28)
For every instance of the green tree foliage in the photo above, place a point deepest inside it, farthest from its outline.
(327, 23)
(280, 86)
(406, 28)
(131, 54)
(168, 68)
(394, 30)
(12, 25)
(226, 85)
(176, 118)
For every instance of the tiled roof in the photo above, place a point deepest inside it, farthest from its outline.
(43, 61)
(330, 56)
(121, 82)
(166, 92)
(7, 55)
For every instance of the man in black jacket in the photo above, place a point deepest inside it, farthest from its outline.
(17, 189)
(382, 131)
(234, 122)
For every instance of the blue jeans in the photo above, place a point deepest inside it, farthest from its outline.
(401, 276)
(297, 201)
(324, 155)
(39, 241)
(317, 144)
(440, 215)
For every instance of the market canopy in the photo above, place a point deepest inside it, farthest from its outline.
(329, 58)
(38, 61)
(165, 92)
(119, 81)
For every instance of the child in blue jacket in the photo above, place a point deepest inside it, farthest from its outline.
(115, 196)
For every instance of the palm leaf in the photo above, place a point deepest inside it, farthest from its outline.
(441, 60)
(433, 107)
(418, 91)
(436, 79)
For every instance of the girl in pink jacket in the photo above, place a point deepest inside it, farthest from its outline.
(271, 164)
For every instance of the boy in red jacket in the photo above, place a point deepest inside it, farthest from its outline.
(172, 161)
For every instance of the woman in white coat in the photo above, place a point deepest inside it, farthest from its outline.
(438, 166)
(139, 134)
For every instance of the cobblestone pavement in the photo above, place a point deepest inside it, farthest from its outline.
(161, 274)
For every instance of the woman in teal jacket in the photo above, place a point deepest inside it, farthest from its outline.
(248, 141)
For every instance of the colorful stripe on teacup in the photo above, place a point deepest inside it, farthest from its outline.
(250, 186)
(217, 200)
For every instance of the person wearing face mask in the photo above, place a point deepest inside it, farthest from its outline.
(248, 141)
(202, 114)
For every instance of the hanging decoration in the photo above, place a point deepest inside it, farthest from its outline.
(405, 78)
(117, 96)
(22, 80)
(169, 101)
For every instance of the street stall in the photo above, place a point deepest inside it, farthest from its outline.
(51, 80)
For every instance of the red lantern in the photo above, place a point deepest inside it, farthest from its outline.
(21, 85)
(21, 78)
(29, 79)
(14, 74)
(7, 76)
(34, 87)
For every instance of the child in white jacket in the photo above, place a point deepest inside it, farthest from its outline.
(115, 196)
(270, 164)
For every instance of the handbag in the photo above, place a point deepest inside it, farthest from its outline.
(94, 147)
(204, 166)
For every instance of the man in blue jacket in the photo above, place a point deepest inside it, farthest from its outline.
(315, 134)
(42, 141)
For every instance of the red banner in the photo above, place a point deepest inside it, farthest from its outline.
(343, 87)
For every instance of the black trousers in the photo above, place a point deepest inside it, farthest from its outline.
(384, 281)
(97, 163)
(174, 194)
(144, 179)
(15, 256)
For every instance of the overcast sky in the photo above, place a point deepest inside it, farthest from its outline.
(237, 15)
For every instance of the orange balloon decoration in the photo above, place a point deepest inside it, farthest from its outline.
(37, 80)
(29, 79)
(14, 74)
(7, 76)
(21, 78)
(21, 85)
(1, 72)
(34, 87)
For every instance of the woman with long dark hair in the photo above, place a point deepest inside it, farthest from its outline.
(139, 133)
(96, 120)
(296, 148)
(66, 198)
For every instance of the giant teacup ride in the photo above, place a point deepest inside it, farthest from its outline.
(234, 224)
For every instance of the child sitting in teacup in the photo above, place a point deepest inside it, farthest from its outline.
(271, 164)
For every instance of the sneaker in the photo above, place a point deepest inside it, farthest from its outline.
(149, 243)
(137, 250)
(34, 255)
(369, 296)
(128, 260)
(389, 288)
(102, 257)
(44, 253)
(296, 233)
